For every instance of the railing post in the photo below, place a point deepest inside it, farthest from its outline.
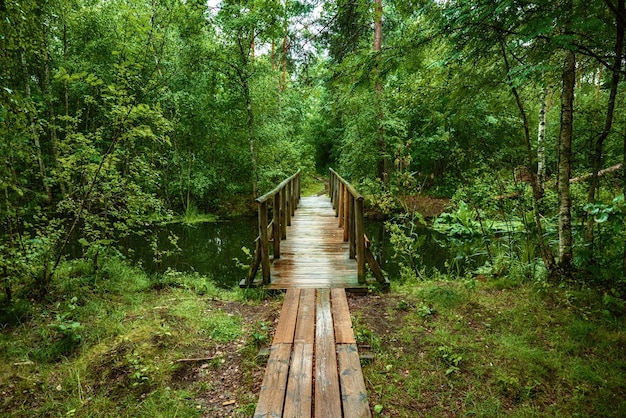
(288, 203)
(360, 239)
(298, 189)
(331, 188)
(351, 230)
(340, 204)
(284, 216)
(265, 256)
(346, 214)
(276, 225)
(292, 200)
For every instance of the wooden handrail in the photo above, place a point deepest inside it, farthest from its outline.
(284, 200)
(278, 188)
(348, 205)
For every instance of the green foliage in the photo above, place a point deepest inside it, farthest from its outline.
(463, 222)
(261, 335)
(451, 358)
(406, 241)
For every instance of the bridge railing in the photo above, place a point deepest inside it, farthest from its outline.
(348, 205)
(283, 201)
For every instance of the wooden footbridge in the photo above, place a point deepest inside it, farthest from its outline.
(316, 253)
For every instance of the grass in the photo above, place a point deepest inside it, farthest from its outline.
(488, 351)
(108, 346)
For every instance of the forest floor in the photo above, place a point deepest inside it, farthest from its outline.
(124, 344)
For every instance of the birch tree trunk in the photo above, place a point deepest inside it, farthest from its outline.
(546, 253)
(541, 145)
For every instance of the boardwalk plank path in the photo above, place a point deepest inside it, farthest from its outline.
(332, 385)
(314, 254)
(318, 252)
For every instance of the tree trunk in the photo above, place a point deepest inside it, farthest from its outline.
(624, 193)
(565, 160)
(541, 142)
(33, 131)
(380, 129)
(596, 163)
(251, 139)
(546, 253)
(285, 51)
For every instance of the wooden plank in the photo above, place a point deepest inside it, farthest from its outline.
(327, 400)
(298, 398)
(341, 317)
(353, 393)
(287, 322)
(272, 396)
(305, 326)
(315, 254)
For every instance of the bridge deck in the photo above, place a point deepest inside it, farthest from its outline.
(314, 254)
(314, 367)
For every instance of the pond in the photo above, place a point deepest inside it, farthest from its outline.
(208, 248)
(211, 249)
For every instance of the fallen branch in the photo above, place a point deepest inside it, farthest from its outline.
(600, 173)
(195, 360)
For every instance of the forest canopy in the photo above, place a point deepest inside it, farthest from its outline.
(121, 113)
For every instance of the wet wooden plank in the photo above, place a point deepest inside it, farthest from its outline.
(298, 399)
(341, 317)
(353, 393)
(327, 399)
(287, 322)
(305, 326)
(272, 396)
(314, 250)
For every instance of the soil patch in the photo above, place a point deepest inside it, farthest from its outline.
(229, 376)
(427, 206)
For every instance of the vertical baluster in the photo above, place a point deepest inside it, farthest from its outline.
(351, 234)
(360, 239)
(284, 215)
(346, 214)
(340, 204)
(276, 225)
(265, 256)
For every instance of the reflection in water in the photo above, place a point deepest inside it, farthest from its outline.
(210, 249)
(433, 253)
(207, 248)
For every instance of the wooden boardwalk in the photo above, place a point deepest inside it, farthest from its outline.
(319, 251)
(314, 255)
(314, 367)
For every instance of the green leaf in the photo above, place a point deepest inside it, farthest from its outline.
(603, 217)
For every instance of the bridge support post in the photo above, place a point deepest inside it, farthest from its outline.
(346, 214)
(351, 227)
(276, 233)
(288, 206)
(284, 216)
(340, 204)
(265, 255)
(360, 239)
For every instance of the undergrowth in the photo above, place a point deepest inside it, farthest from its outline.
(110, 344)
(478, 348)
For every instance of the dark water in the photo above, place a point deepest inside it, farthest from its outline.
(206, 248)
(210, 249)
(432, 252)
